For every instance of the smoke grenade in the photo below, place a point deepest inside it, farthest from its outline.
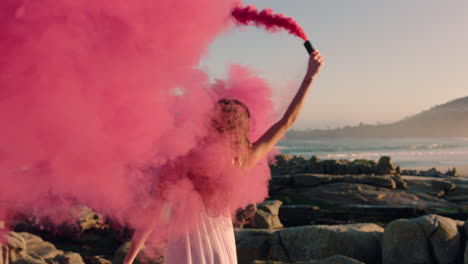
(309, 47)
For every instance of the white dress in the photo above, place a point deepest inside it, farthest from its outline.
(210, 242)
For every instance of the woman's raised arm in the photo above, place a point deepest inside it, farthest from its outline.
(268, 140)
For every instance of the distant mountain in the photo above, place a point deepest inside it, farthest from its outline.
(446, 120)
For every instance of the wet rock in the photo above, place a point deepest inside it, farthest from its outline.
(252, 244)
(359, 241)
(426, 239)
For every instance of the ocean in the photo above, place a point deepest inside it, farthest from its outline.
(405, 152)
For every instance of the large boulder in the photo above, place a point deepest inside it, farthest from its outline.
(427, 239)
(400, 182)
(26, 248)
(38, 247)
(385, 166)
(252, 244)
(267, 215)
(359, 241)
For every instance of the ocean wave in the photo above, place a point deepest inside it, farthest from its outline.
(282, 147)
(431, 146)
(392, 154)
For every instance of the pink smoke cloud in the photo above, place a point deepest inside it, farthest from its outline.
(100, 102)
(250, 15)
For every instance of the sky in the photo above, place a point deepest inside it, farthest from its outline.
(384, 60)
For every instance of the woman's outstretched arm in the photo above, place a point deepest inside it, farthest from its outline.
(138, 240)
(142, 234)
(266, 142)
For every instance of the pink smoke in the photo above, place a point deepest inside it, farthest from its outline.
(249, 15)
(100, 104)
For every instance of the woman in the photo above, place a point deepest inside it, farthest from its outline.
(213, 240)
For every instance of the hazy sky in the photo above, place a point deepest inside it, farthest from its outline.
(385, 60)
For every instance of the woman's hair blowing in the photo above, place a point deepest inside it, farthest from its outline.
(233, 121)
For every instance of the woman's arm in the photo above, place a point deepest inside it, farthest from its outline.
(141, 234)
(266, 142)
(138, 240)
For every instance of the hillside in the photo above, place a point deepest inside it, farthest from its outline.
(446, 120)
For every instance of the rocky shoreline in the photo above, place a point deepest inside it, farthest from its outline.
(320, 212)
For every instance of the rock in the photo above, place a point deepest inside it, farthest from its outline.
(465, 229)
(312, 180)
(330, 260)
(97, 260)
(245, 216)
(452, 173)
(15, 241)
(385, 166)
(334, 193)
(382, 181)
(465, 257)
(337, 260)
(35, 245)
(142, 257)
(359, 241)
(459, 195)
(314, 159)
(70, 258)
(410, 172)
(252, 244)
(400, 182)
(25, 248)
(405, 242)
(410, 241)
(431, 173)
(267, 215)
(88, 219)
(443, 185)
(281, 180)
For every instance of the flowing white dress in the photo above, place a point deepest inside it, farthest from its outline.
(210, 242)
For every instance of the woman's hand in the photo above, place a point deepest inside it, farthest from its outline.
(315, 64)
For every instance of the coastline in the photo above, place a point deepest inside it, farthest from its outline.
(462, 169)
